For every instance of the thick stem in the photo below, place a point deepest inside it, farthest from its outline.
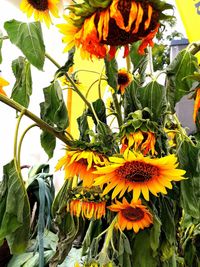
(150, 60)
(117, 109)
(42, 124)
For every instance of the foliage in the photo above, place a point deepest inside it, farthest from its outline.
(136, 139)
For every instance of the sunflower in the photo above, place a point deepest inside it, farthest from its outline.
(139, 140)
(81, 163)
(196, 104)
(41, 9)
(124, 78)
(131, 216)
(138, 174)
(87, 202)
(3, 82)
(100, 27)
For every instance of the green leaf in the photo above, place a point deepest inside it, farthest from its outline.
(48, 142)
(189, 160)
(83, 127)
(28, 38)
(69, 63)
(22, 89)
(139, 61)
(112, 72)
(54, 110)
(153, 96)
(142, 252)
(100, 109)
(155, 235)
(1, 43)
(178, 81)
(15, 218)
(167, 209)
(131, 101)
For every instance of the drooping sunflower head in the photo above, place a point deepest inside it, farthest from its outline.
(139, 141)
(103, 26)
(139, 174)
(81, 163)
(87, 202)
(132, 216)
(124, 78)
(40, 9)
(3, 83)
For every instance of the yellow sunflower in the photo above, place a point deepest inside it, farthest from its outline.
(98, 30)
(196, 104)
(41, 9)
(138, 174)
(132, 216)
(124, 78)
(139, 141)
(82, 163)
(3, 83)
(87, 208)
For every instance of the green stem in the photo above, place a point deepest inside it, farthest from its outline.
(17, 166)
(128, 63)
(117, 109)
(20, 143)
(42, 124)
(75, 88)
(52, 60)
(181, 130)
(95, 115)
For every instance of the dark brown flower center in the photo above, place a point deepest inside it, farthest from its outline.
(117, 36)
(122, 79)
(133, 214)
(40, 5)
(137, 171)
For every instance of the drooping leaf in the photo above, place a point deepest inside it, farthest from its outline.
(15, 217)
(153, 96)
(22, 89)
(112, 72)
(189, 158)
(178, 81)
(54, 110)
(83, 127)
(69, 63)
(28, 38)
(48, 142)
(131, 101)
(139, 61)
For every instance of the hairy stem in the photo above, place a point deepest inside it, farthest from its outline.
(117, 109)
(42, 124)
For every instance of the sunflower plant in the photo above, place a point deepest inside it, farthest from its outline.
(130, 195)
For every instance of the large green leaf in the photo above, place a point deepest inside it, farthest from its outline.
(189, 158)
(142, 252)
(22, 89)
(28, 38)
(48, 142)
(112, 72)
(153, 96)
(167, 210)
(54, 110)
(131, 101)
(15, 210)
(83, 127)
(178, 81)
(100, 110)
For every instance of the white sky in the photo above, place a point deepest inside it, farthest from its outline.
(31, 150)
